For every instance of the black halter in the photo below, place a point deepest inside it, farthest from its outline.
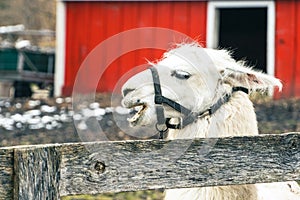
(163, 123)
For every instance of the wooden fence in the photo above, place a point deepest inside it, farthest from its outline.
(55, 170)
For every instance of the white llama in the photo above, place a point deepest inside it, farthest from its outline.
(205, 94)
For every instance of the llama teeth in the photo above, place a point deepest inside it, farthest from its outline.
(137, 111)
(133, 119)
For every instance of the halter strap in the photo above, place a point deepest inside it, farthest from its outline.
(163, 124)
(160, 99)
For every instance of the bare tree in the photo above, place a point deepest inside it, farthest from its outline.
(34, 14)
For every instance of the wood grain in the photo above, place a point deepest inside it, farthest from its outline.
(51, 171)
(6, 173)
(141, 165)
(36, 173)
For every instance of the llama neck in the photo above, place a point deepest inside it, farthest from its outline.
(234, 118)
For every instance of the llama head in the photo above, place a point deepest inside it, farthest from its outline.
(192, 76)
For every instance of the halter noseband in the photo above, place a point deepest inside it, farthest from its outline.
(163, 123)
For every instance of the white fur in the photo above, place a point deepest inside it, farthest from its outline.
(214, 73)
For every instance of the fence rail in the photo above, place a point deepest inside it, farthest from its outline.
(55, 170)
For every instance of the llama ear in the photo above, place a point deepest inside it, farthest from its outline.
(249, 78)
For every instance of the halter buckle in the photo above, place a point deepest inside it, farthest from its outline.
(162, 129)
(204, 114)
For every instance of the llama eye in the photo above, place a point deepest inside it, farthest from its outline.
(180, 74)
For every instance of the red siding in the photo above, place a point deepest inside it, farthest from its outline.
(287, 66)
(90, 23)
(297, 52)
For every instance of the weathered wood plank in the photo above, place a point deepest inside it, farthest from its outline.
(47, 171)
(6, 173)
(36, 173)
(139, 165)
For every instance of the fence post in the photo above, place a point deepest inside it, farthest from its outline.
(36, 173)
(6, 173)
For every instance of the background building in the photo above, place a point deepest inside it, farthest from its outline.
(262, 32)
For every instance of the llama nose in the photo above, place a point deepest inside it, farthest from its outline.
(126, 91)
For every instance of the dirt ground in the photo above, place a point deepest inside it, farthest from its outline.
(279, 116)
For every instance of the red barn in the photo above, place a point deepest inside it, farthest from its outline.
(263, 32)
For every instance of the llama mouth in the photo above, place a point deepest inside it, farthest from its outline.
(138, 113)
